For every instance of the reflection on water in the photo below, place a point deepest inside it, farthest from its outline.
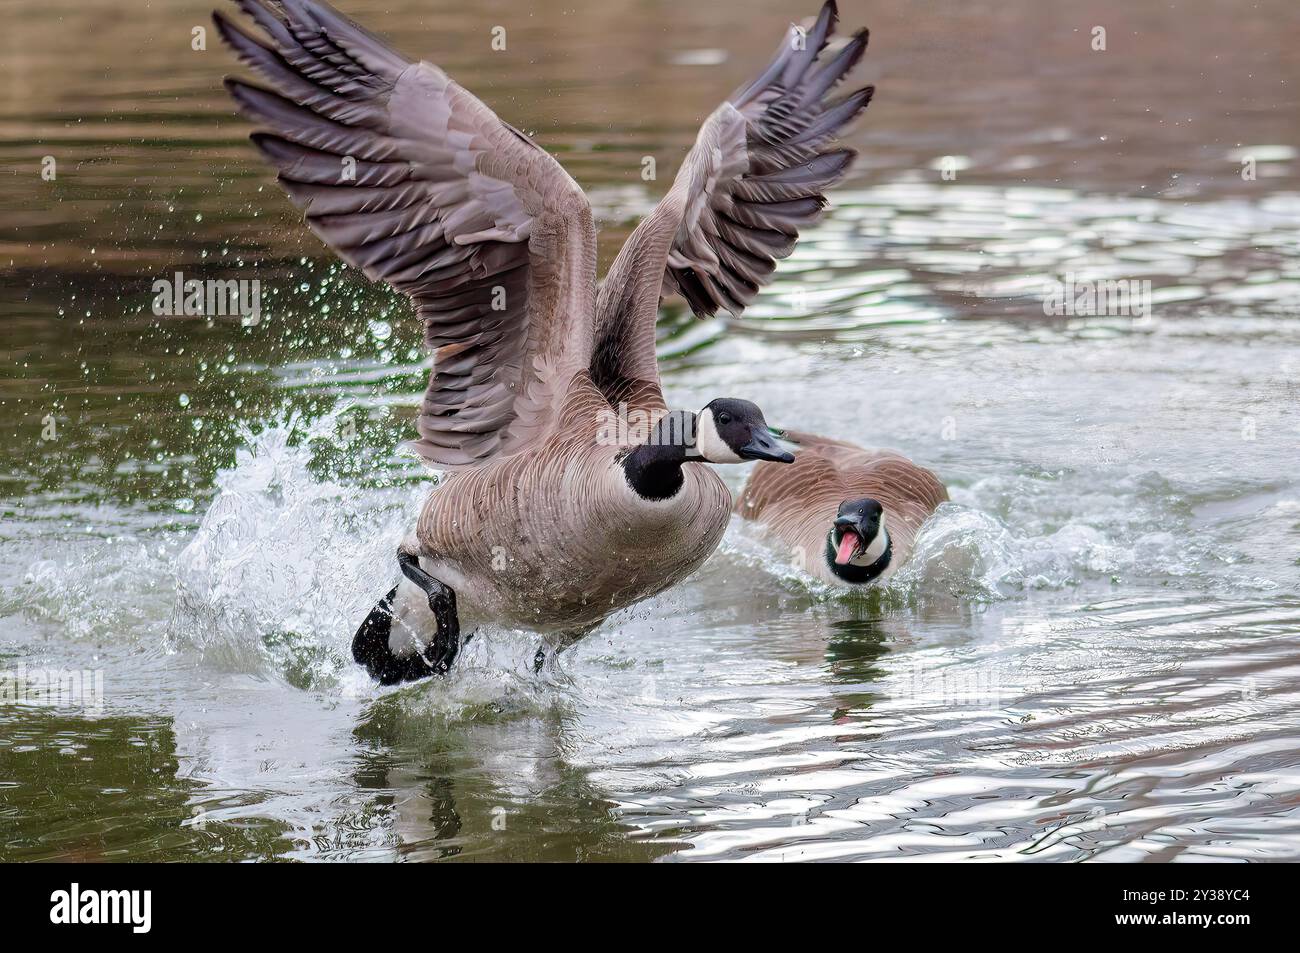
(1092, 655)
(108, 789)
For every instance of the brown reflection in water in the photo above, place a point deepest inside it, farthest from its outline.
(146, 140)
(485, 786)
(853, 649)
(106, 788)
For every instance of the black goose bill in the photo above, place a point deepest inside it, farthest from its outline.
(731, 430)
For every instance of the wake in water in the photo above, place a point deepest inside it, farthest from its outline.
(286, 559)
(966, 553)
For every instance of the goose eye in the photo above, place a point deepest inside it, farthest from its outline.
(724, 418)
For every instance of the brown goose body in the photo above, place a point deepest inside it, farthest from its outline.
(413, 180)
(798, 503)
(555, 541)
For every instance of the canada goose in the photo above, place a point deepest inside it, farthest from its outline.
(544, 522)
(850, 515)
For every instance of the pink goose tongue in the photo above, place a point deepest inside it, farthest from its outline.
(848, 546)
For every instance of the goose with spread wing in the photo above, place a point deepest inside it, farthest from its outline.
(551, 516)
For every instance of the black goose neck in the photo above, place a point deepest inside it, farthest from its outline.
(655, 472)
(654, 469)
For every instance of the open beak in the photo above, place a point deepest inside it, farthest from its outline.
(852, 539)
(763, 446)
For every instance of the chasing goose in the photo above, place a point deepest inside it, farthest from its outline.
(849, 515)
(544, 520)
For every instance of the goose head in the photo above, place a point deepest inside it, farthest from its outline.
(730, 430)
(858, 538)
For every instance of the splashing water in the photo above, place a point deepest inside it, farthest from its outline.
(284, 558)
(1091, 654)
(287, 560)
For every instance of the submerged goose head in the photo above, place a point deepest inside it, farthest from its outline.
(857, 546)
(730, 430)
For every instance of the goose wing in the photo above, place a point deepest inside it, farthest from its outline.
(826, 472)
(412, 179)
(869, 471)
(777, 490)
(840, 453)
(755, 176)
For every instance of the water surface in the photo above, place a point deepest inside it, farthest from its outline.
(1093, 655)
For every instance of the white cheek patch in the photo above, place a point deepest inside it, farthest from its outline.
(710, 444)
(875, 549)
